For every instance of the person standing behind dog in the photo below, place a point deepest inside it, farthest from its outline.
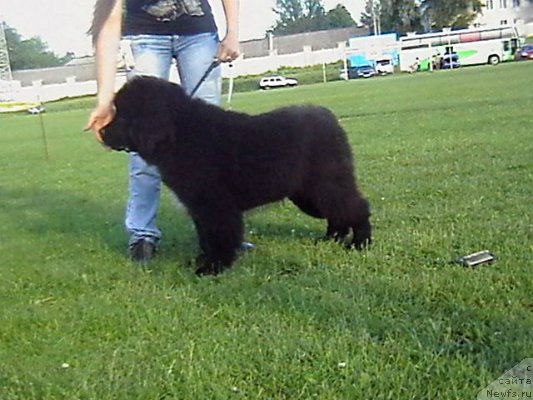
(159, 31)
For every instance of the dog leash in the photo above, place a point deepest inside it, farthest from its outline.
(211, 67)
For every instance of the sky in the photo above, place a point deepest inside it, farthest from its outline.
(62, 23)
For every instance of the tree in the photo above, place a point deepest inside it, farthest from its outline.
(339, 17)
(314, 8)
(399, 16)
(405, 16)
(31, 53)
(288, 11)
(439, 14)
(369, 17)
(296, 16)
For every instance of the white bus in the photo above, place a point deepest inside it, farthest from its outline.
(469, 46)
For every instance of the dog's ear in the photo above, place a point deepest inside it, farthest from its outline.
(153, 132)
(158, 111)
(155, 110)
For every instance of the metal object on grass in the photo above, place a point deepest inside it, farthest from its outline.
(475, 259)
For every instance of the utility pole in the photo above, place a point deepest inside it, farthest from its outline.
(374, 21)
(6, 78)
(376, 17)
(5, 68)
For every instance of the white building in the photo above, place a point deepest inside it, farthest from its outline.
(496, 13)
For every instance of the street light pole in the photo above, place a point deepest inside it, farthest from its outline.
(5, 67)
(374, 20)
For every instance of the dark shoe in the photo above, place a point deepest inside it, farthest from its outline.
(142, 251)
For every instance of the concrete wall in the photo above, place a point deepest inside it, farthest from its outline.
(86, 72)
(290, 44)
(39, 91)
(255, 48)
(315, 40)
(272, 62)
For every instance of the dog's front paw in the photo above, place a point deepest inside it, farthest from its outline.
(362, 237)
(206, 267)
(204, 271)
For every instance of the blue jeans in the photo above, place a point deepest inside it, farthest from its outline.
(153, 55)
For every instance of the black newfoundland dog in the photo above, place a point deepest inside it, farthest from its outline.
(221, 163)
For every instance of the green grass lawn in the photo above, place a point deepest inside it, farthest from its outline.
(446, 160)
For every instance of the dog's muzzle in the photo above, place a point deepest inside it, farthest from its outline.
(110, 144)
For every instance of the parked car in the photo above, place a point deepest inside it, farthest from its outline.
(364, 71)
(525, 52)
(450, 61)
(36, 110)
(276, 81)
(384, 66)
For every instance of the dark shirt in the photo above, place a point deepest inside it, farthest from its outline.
(168, 17)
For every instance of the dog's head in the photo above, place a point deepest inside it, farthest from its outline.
(146, 110)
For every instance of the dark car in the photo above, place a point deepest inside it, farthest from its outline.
(525, 52)
(450, 61)
(364, 71)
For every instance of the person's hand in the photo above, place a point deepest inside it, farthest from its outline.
(101, 116)
(228, 49)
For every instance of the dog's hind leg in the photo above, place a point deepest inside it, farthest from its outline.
(346, 211)
(335, 231)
